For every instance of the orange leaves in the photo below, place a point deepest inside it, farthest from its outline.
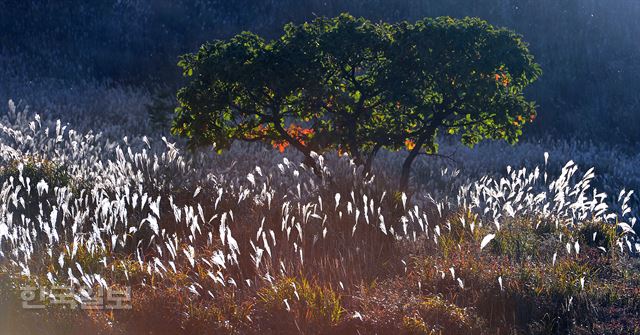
(300, 134)
(502, 78)
(280, 145)
(518, 121)
(521, 120)
(409, 144)
(268, 131)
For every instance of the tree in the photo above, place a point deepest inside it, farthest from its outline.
(465, 77)
(353, 85)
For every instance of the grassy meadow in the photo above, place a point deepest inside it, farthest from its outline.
(98, 198)
(497, 239)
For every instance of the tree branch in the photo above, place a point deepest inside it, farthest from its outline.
(441, 156)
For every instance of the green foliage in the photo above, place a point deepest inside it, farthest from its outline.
(518, 242)
(465, 76)
(299, 305)
(598, 234)
(433, 315)
(239, 90)
(350, 84)
(36, 170)
(349, 66)
(29, 173)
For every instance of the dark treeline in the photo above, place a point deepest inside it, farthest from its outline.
(589, 49)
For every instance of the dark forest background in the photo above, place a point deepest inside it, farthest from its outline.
(589, 49)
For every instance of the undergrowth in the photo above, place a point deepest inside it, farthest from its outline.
(255, 243)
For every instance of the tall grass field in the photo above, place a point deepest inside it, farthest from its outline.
(109, 224)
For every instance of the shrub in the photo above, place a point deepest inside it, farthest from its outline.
(36, 180)
(36, 170)
(433, 315)
(299, 306)
(598, 234)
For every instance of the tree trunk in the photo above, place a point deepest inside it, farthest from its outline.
(369, 162)
(354, 150)
(427, 133)
(310, 162)
(406, 166)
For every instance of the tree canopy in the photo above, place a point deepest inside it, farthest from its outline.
(351, 85)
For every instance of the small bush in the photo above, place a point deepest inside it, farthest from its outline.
(299, 306)
(517, 242)
(36, 170)
(433, 315)
(598, 234)
(27, 174)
